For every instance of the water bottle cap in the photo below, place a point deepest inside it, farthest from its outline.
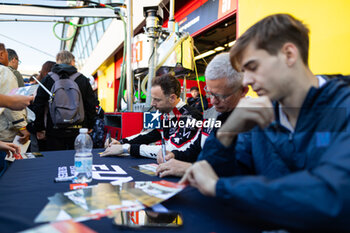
(83, 130)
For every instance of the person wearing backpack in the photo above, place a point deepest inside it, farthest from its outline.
(69, 107)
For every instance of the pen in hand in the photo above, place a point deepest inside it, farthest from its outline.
(163, 147)
(108, 139)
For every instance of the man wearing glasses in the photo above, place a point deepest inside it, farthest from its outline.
(13, 65)
(225, 89)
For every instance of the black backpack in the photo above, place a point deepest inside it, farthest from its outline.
(66, 105)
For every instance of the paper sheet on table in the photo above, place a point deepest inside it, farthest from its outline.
(121, 180)
(151, 193)
(149, 169)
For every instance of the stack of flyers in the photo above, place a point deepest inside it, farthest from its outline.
(87, 203)
(104, 199)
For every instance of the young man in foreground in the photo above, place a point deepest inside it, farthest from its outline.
(287, 162)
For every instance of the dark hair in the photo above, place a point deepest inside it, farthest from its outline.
(194, 89)
(45, 69)
(270, 34)
(2, 46)
(168, 83)
(12, 54)
(32, 79)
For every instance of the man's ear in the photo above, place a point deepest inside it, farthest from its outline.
(291, 53)
(172, 98)
(2, 55)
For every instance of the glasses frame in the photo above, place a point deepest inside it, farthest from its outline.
(219, 96)
(19, 61)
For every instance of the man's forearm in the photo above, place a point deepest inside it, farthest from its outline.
(226, 137)
(5, 101)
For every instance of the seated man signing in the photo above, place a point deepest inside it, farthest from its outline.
(166, 99)
(225, 89)
(286, 162)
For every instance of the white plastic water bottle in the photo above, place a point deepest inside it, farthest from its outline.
(83, 157)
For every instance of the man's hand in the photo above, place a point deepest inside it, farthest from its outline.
(10, 147)
(201, 176)
(116, 149)
(172, 167)
(169, 155)
(16, 102)
(41, 135)
(25, 135)
(113, 142)
(248, 113)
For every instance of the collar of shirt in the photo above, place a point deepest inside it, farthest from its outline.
(283, 117)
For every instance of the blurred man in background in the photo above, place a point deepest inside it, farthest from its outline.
(13, 65)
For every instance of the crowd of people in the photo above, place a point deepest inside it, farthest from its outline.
(41, 129)
(282, 157)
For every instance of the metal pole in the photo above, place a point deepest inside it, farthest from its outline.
(171, 22)
(129, 76)
(54, 12)
(151, 71)
(184, 94)
(139, 90)
(152, 25)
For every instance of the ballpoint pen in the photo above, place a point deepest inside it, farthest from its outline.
(108, 137)
(163, 146)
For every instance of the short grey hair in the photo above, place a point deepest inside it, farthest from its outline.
(220, 67)
(64, 57)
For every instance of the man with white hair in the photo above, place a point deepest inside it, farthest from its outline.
(225, 89)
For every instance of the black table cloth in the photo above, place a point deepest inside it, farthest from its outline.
(26, 185)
